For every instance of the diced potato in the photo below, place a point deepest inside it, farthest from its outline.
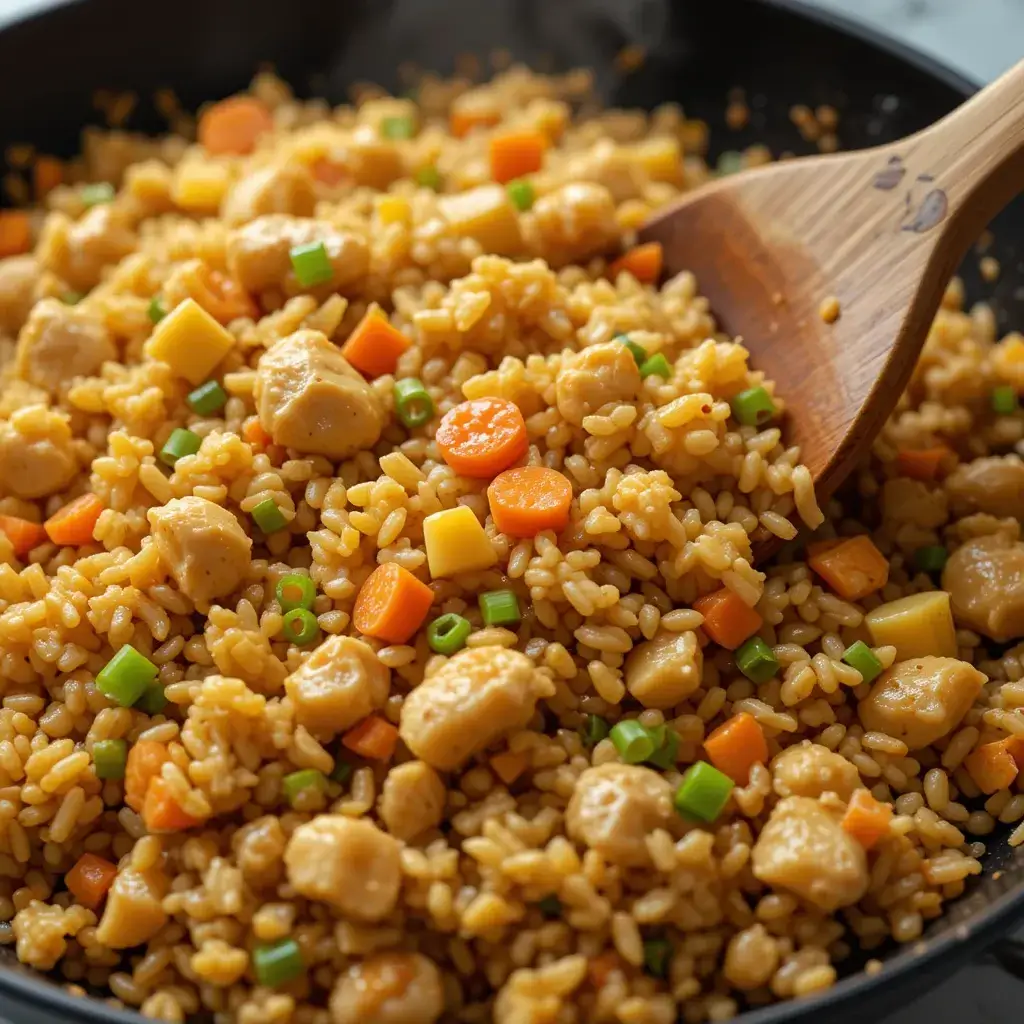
(456, 542)
(199, 187)
(486, 214)
(666, 670)
(661, 157)
(916, 625)
(392, 209)
(190, 341)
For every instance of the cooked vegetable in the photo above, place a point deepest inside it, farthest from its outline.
(1004, 400)
(295, 783)
(853, 568)
(994, 766)
(463, 119)
(15, 232)
(456, 543)
(703, 793)
(161, 812)
(924, 463)
(632, 740)
(550, 906)
(296, 590)
(374, 738)
(74, 523)
(253, 432)
(90, 880)
(521, 193)
(413, 404)
(753, 407)
(145, 760)
(644, 262)
(728, 619)
(126, 676)
(736, 746)
(499, 608)
(482, 437)
(665, 756)
(391, 604)
(657, 954)
(207, 399)
(300, 626)
(916, 625)
(341, 772)
(485, 214)
(525, 500)
(664, 670)
(182, 442)
(597, 729)
(756, 660)
(234, 125)
(277, 963)
(931, 558)
(516, 153)
(429, 177)
(397, 128)
(110, 757)
(23, 535)
(311, 264)
(509, 765)
(638, 352)
(374, 345)
(447, 633)
(190, 341)
(656, 366)
(153, 700)
(268, 517)
(72, 298)
(866, 819)
(96, 193)
(859, 656)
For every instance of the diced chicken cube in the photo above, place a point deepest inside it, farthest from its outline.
(310, 398)
(911, 501)
(412, 799)
(985, 581)
(346, 862)
(36, 454)
(79, 252)
(371, 159)
(389, 988)
(593, 377)
(804, 848)
(202, 546)
(994, 484)
(19, 276)
(281, 188)
(134, 911)
(259, 850)
(339, 684)
(666, 670)
(921, 700)
(809, 769)
(478, 695)
(60, 342)
(575, 223)
(615, 807)
(487, 215)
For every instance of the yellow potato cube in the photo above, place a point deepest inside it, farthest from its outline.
(393, 209)
(456, 542)
(486, 214)
(199, 186)
(917, 625)
(190, 341)
(661, 157)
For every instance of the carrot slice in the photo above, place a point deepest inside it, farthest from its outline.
(23, 534)
(15, 232)
(329, 173)
(644, 262)
(391, 604)
(994, 766)
(47, 174)
(253, 432)
(924, 463)
(516, 153)
(482, 437)
(508, 766)
(145, 760)
(728, 619)
(853, 568)
(736, 746)
(74, 523)
(161, 812)
(525, 500)
(374, 738)
(222, 296)
(234, 125)
(90, 880)
(464, 118)
(374, 346)
(866, 819)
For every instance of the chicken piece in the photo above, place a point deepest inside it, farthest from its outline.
(593, 377)
(985, 582)
(485, 214)
(911, 501)
(202, 546)
(665, 670)
(348, 863)
(19, 276)
(36, 454)
(994, 484)
(479, 694)
(389, 988)
(259, 253)
(259, 851)
(575, 223)
(60, 342)
(79, 252)
(412, 800)
(134, 912)
(804, 848)
(751, 958)
(339, 684)
(921, 700)
(283, 188)
(610, 166)
(309, 398)
(809, 769)
(613, 809)
(371, 159)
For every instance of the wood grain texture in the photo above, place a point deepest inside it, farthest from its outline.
(881, 230)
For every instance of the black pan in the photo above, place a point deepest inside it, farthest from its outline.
(778, 51)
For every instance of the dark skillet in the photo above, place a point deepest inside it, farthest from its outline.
(776, 50)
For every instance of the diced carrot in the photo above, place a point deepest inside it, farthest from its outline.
(599, 968)
(145, 760)
(329, 173)
(463, 119)
(994, 766)
(644, 262)
(516, 153)
(47, 174)
(525, 500)
(253, 432)
(90, 880)
(374, 345)
(482, 437)
(508, 766)
(866, 819)
(736, 746)
(391, 604)
(161, 812)
(73, 524)
(234, 125)
(924, 463)
(374, 738)
(728, 619)
(222, 296)
(853, 568)
(23, 534)
(15, 232)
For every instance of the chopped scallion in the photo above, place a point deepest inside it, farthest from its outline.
(703, 793)
(110, 757)
(277, 963)
(295, 591)
(632, 740)
(753, 407)
(268, 517)
(499, 608)
(207, 399)
(182, 442)
(756, 660)
(447, 633)
(311, 264)
(656, 366)
(300, 627)
(859, 656)
(413, 404)
(126, 676)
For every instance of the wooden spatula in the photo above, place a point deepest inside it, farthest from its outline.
(880, 230)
